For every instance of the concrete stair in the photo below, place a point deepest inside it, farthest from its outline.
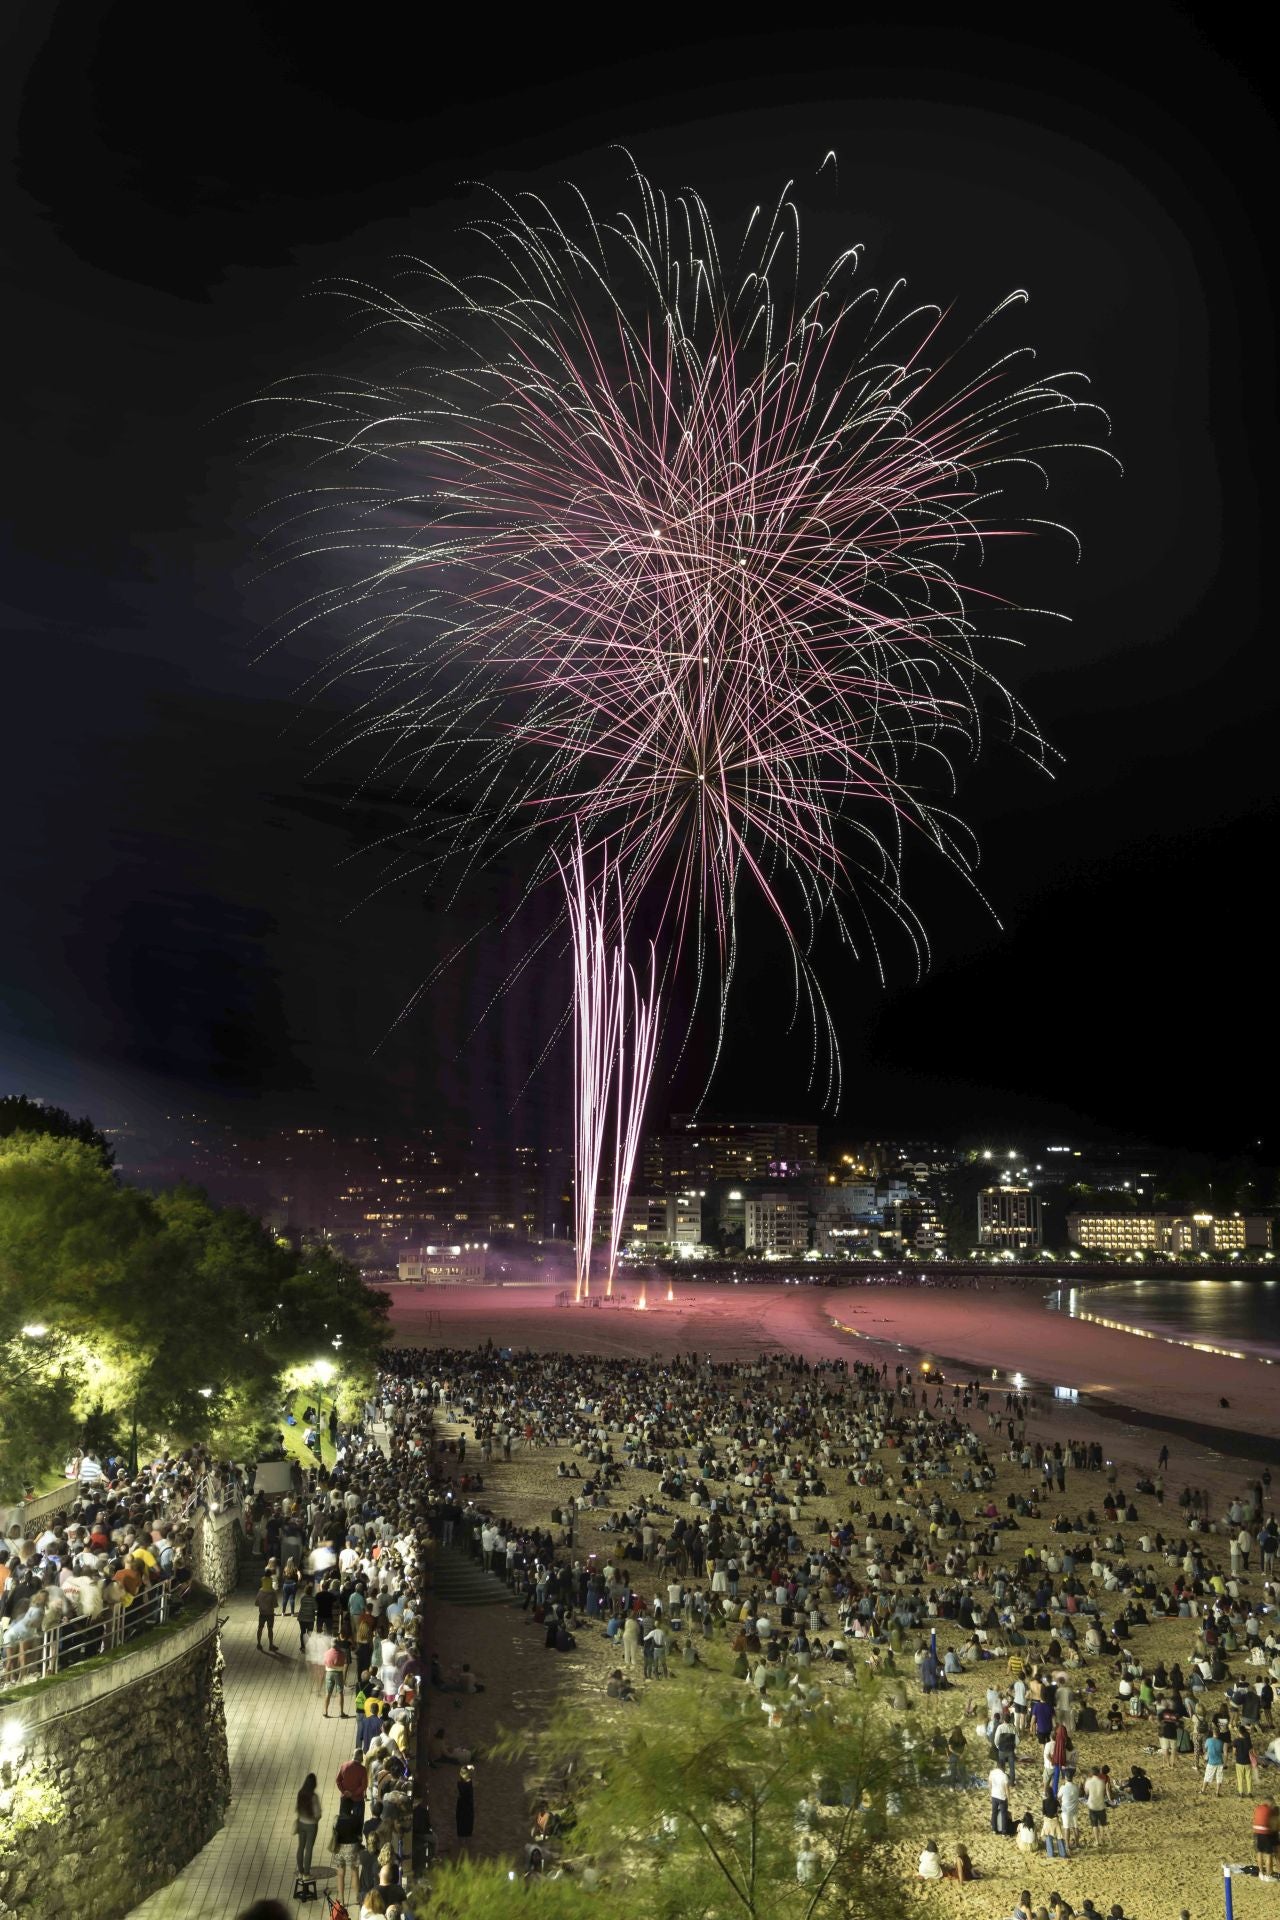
(461, 1581)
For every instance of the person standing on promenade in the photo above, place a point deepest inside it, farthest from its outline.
(288, 1586)
(307, 1822)
(464, 1813)
(1266, 1820)
(306, 1612)
(335, 1679)
(352, 1782)
(267, 1608)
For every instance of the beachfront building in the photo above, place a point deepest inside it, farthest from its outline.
(662, 1221)
(1010, 1218)
(445, 1266)
(776, 1223)
(697, 1151)
(1119, 1235)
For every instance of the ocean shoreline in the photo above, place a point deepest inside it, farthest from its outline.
(999, 1325)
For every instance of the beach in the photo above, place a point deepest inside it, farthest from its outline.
(1163, 1856)
(998, 1324)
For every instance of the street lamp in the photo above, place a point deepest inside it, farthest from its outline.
(35, 1330)
(324, 1372)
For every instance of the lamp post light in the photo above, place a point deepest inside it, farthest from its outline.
(324, 1371)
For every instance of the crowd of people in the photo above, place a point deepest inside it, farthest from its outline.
(814, 1515)
(82, 1583)
(343, 1565)
(806, 1517)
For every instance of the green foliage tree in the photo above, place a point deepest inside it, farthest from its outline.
(20, 1114)
(168, 1319)
(690, 1803)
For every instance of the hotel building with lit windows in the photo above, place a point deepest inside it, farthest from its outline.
(1121, 1234)
(1010, 1217)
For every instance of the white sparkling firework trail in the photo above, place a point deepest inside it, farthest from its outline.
(633, 1077)
(598, 984)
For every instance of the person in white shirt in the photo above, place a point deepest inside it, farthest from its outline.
(930, 1867)
(998, 1783)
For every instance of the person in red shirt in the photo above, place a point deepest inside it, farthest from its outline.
(1265, 1837)
(335, 1679)
(352, 1782)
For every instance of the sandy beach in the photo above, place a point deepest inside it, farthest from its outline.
(1162, 1857)
(999, 1325)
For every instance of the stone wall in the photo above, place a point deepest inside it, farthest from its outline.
(216, 1559)
(115, 1778)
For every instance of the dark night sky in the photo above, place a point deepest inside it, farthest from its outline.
(178, 918)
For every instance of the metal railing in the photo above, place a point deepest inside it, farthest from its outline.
(79, 1639)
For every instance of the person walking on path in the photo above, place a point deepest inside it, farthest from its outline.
(267, 1609)
(306, 1612)
(464, 1813)
(289, 1587)
(307, 1822)
(335, 1680)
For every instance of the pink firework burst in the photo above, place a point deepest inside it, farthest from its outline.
(677, 559)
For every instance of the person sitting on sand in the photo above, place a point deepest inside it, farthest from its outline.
(930, 1867)
(963, 1870)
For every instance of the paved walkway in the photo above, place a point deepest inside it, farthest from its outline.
(277, 1735)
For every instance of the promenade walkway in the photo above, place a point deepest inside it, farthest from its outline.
(277, 1735)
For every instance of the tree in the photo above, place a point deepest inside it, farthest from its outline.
(20, 1114)
(691, 1803)
(67, 1231)
(165, 1319)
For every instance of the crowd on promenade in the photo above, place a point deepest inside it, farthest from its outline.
(343, 1555)
(90, 1576)
(810, 1516)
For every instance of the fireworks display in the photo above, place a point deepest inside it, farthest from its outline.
(615, 1033)
(643, 548)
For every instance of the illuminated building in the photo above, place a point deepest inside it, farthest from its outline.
(445, 1266)
(776, 1223)
(1118, 1235)
(1010, 1217)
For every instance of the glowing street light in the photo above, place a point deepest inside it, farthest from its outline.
(35, 1329)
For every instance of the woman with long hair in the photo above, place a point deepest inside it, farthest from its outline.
(307, 1821)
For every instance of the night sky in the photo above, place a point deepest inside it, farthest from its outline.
(185, 912)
